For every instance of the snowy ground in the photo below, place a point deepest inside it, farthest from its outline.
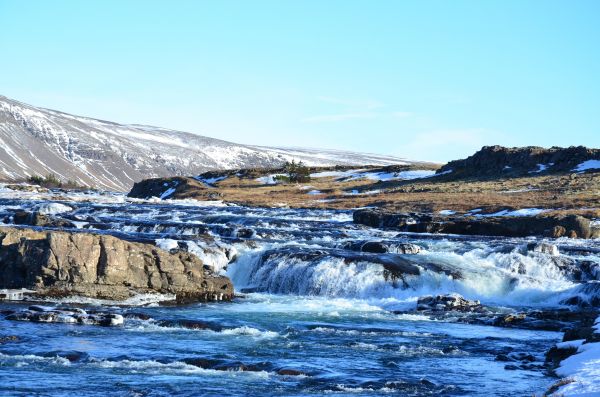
(583, 369)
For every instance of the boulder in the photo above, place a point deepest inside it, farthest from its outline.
(544, 248)
(59, 263)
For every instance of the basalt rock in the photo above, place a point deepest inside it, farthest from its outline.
(499, 161)
(178, 187)
(520, 226)
(58, 263)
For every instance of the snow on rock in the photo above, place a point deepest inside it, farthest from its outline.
(520, 212)
(587, 165)
(446, 212)
(166, 244)
(53, 208)
(315, 192)
(167, 193)
(210, 181)
(541, 168)
(583, 369)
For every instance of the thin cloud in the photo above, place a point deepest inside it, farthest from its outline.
(327, 118)
(401, 115)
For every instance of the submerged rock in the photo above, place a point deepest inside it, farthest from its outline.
(57, 263)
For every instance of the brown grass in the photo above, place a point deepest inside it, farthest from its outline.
(564, 193)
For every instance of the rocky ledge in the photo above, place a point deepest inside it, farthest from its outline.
(179, 187)
(499, 162)
(58, 263)
(574, 226)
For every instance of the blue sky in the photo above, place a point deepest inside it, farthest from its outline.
(431, 80)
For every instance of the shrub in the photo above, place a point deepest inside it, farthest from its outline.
(52, 181)
(297, 172)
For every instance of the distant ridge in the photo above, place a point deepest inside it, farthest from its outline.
(107, 155)
(500, 161)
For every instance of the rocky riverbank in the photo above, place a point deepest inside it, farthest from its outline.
(574, 226)
(61, 263)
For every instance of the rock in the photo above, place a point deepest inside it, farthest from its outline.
(39, 219)
(27, 188)
(67, 316)
(59, 263)
(289, 372)
(381, 219)
(544, 248)
(558, 231)
(178, 187)
(190, 324)
(382, 247)
(8, 338)
(499, 161)
(519, 226)
(585, 295)
(448, 303)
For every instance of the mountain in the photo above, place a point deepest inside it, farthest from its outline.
(107, 155)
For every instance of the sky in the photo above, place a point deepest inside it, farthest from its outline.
(424, 80)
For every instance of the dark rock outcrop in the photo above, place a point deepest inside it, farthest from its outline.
(38, 219)
(449, 302)
(178, 187)
(518, 226)
(57, 263)
(499, 161)
(382, 247)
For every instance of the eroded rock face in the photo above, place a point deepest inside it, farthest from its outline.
(100, 266)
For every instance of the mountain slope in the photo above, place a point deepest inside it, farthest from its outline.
(103, 154)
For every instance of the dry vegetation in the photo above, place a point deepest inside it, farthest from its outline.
(572, 193)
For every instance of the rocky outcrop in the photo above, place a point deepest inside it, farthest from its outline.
(499, 161)
(56, 263)
(574, 226)
(178, 187)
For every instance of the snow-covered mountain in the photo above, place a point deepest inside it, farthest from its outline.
(38, 141)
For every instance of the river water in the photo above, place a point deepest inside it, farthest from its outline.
(315, 316)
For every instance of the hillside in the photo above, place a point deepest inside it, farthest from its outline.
(107, 155)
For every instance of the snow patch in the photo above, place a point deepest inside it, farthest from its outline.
(587, 165)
